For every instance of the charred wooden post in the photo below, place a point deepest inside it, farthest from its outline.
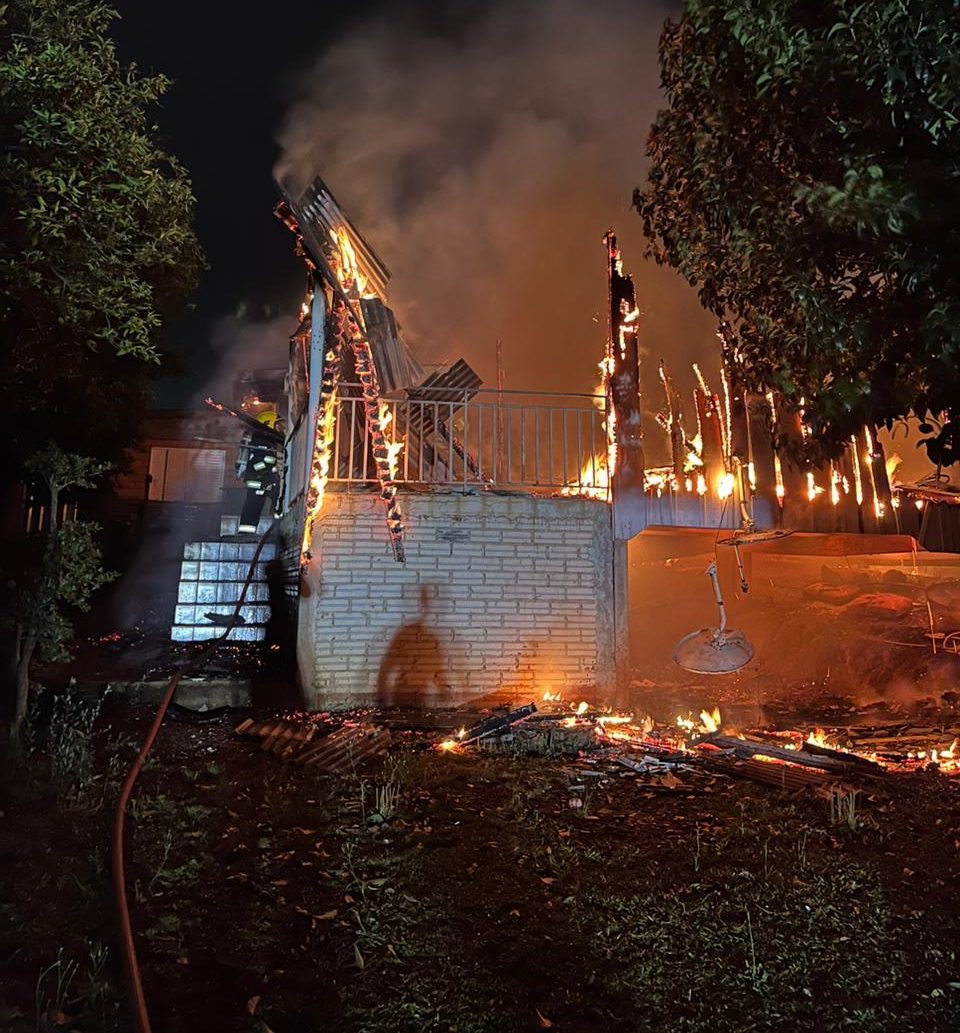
(797, 509)
(766, 504)
(862, 446)
(883, 499)
(847, 510)
(624, 422)
(711, 436)
(738, 444)
(678, 440)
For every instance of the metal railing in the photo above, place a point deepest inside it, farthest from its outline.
(511, 439)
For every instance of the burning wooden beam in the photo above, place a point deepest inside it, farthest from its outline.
(678, 440)
(624, 420)
(496, 723)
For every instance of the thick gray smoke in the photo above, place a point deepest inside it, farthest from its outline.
(484, 164)
(239, 344)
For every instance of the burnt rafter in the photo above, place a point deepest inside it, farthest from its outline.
(349, 271)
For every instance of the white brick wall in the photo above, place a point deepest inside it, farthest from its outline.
(507, 595)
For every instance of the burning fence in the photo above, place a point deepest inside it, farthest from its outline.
(744, 462)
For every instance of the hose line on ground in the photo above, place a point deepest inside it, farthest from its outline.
(138, 1002)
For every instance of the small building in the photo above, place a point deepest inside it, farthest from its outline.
(442, 553)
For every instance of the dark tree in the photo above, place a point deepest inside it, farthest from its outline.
(97, 239)
(805, 178)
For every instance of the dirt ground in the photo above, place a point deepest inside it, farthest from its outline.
(476, 898)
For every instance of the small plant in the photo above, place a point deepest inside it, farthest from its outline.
(755, 970)
(845, 807)
(386, 799)
(70, 739)
(99, 987)
(802, 849)
(52, 989)
(696, 853)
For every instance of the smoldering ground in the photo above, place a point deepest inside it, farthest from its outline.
(483, 150)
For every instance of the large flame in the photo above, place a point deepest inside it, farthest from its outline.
(322, 453)
(394, 447)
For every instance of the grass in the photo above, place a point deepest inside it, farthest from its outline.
(479, 901)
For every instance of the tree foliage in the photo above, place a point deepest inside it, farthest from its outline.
(805, 178)
(96, 235)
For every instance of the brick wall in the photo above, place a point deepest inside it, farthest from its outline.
(504, 595)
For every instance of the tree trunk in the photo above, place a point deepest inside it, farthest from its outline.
(27, 647)
(15, 652)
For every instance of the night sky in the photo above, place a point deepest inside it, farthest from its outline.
(482, 147)
(235, 70)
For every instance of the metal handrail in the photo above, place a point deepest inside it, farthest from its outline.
(485, 390)
(466, 442)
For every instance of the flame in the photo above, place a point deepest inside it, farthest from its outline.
(322, 454)
(393, 447)
(856, 470)
(594, 479)
(725, 486)
(582, 707)
(614, 719)
(448, 745)
(710, 721)
(348, 271)
(819, 738)
(777, 466)
(701, 484)
(552, 697)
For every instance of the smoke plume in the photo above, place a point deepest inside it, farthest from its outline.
(240, 343)
(483, 159)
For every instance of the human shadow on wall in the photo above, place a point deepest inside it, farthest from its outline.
(415, 669)
(275, 682)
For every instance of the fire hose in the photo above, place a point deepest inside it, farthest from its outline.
(131, 968)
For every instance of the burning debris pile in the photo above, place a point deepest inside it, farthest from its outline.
(790, 759)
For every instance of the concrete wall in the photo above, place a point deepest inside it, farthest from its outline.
(500, 595)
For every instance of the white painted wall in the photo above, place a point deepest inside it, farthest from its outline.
(505, 595)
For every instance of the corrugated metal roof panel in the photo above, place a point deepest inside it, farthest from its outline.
(320, 218)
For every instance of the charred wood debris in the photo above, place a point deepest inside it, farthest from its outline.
(686, 759)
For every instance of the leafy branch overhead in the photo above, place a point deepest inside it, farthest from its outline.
(805, 178)
(97, 237)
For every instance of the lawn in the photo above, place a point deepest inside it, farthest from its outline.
(448, 891)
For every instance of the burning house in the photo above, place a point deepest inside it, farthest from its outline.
(440, 557)
(451, 542)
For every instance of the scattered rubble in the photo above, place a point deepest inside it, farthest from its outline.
(337, 751)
